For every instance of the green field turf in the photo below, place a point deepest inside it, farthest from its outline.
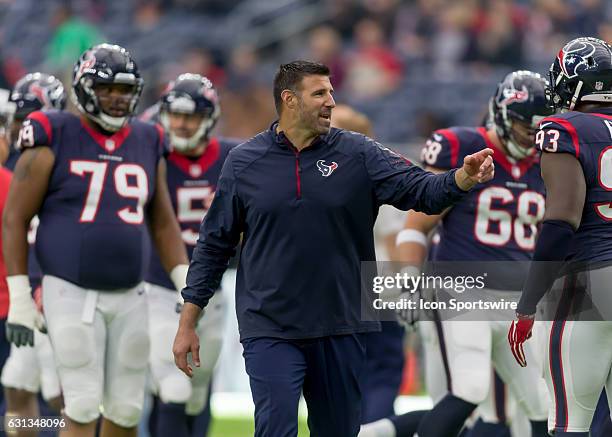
(224, 427)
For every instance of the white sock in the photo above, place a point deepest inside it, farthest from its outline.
(380, 428)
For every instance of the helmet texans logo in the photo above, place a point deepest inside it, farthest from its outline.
(40, 93)
(326, 169)
(512, 95)
(574, 55)
(210, 94)
(86, 64)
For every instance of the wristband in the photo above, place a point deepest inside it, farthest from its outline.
(18, 285)
(178, 275)
(411, 236)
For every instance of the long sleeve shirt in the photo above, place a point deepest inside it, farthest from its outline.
(306, 220)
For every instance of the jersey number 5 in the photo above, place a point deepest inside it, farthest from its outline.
(525, 218)
(130, 181)
(191, 208)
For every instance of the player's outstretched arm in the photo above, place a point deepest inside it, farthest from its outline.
(165, 231)
(28, 188)
(477, 168)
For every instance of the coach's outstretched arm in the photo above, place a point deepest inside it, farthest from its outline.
(219, 236)
(399, 183)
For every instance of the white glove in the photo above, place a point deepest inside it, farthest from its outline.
(23, 317)
(179, 278)
(407, 317)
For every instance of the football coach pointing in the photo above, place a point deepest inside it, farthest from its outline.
(304, 197)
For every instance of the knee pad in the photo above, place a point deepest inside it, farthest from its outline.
(162, 338)
(197, 401)
(535, 405)
(133, 350)
(73, 346)
(471, 386)
(175, 389)
(82, 409)
(123, 414)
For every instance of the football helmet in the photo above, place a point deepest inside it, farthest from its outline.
(520, 98)
(190, 94)
(104, 64)
(581, 72)
(7, 111)
(37, 91)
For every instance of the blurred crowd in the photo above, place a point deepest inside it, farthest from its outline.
(374, 47)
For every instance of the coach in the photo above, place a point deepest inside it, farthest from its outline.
(304, 197)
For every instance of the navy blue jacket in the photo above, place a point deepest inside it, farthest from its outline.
(306, 218)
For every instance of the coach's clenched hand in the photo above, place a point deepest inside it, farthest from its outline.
(477, 168)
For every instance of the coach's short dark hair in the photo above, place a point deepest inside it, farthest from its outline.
(290, 75)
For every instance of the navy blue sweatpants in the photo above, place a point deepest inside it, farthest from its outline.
(327, 370)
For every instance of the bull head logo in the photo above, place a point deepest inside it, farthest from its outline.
(574, 55)
(326, 169)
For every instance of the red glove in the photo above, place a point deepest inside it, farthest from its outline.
(519, 333)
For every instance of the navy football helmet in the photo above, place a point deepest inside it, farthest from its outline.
(36, 91)
(520, 97)
(104, 64)
(581, 72)
(190, 94)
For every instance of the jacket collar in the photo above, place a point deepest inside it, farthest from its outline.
(283, 142)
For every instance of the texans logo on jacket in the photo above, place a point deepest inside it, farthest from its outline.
(326, 169)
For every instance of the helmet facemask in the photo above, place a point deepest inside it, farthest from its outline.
(93, 107)
(105, 65)
(181, 143)
(191, 95)
(516, 109)
(519, 135)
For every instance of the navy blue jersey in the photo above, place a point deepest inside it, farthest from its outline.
(306, 220)
(92, 228)
(588, 137)
(190, 182)
(497, 221)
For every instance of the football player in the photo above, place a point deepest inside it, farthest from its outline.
(7, 112)
(188, 111)
(575, 242)
(32, 369)
(497, 222)
(5, 180)
(96, 181)
(33, 92)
